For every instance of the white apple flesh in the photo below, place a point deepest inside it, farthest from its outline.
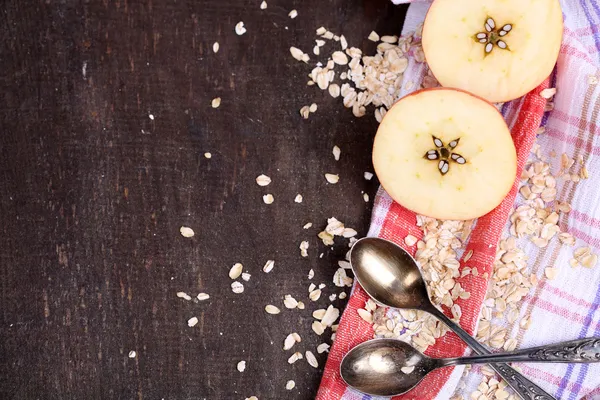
(496, 49)
(446, 154)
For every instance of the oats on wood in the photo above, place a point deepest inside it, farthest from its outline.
(293, 14)
(290, 385)
(332, 178)
(304, 248)
(240, 29)
(215, 47)
(263, 180)
(241, 366)
(186, 232)
(203, 296)
(184, 295)
(268, 199)
(323, 347)
(295, 357)
(336, 153)
(311, 359)
(237, 287)
(373, 36)
(271, 309)
(236, 271)
(192, 322)
(290, 302)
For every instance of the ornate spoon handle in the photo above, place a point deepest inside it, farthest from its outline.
(526, 389)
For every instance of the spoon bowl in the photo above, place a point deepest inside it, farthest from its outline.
(384, 367)
(389, 274)
(390, 367)
(392, 278)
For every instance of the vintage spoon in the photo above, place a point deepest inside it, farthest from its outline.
(390, 367)
(392, 278)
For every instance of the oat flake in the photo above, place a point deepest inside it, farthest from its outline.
(186, 232)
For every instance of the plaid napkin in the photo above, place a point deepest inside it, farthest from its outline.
(565, 308)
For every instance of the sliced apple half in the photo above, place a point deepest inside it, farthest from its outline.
(446, 154)
(496, 49)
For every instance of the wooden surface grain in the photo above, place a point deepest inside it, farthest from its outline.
(93, 193)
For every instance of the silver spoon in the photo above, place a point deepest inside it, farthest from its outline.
(389, 367)
(392, 278)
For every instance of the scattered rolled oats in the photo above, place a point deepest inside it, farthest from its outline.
(271, 309)
(336, 153)
(323, 347)
(296, 53)
(340, 58)
(269, 265)
(132, 354)
(192, 322)
(186, 232)
(311, 273)
(290, 385)
(236, 271)
(318, 328)
(366, 197)
(295, 357)
(330, 316)
(342, 296)
(305, 112)
(207, 155)
(246, 276)
(203, 296)
(268, 198)
(332, 178)
(263, 5)
(298, 199)
(293, 14)
(373, 36)
(315, 294)
(311, 359)
(237, 287)
(263, 180)
(307, 225)
(334, 90)
(290, 302)
(289, 342)
(216, 102)
(341, 279)
(313, 108)
(240, 29)
(300, 305)
(215, 47)
(184, 295)
(304, 248)
(241, 366)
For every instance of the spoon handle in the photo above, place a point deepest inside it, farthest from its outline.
(574, 351)
(526, 389)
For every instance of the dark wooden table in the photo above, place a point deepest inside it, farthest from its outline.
(93, 193)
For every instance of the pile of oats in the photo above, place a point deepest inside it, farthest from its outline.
(363, 80)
